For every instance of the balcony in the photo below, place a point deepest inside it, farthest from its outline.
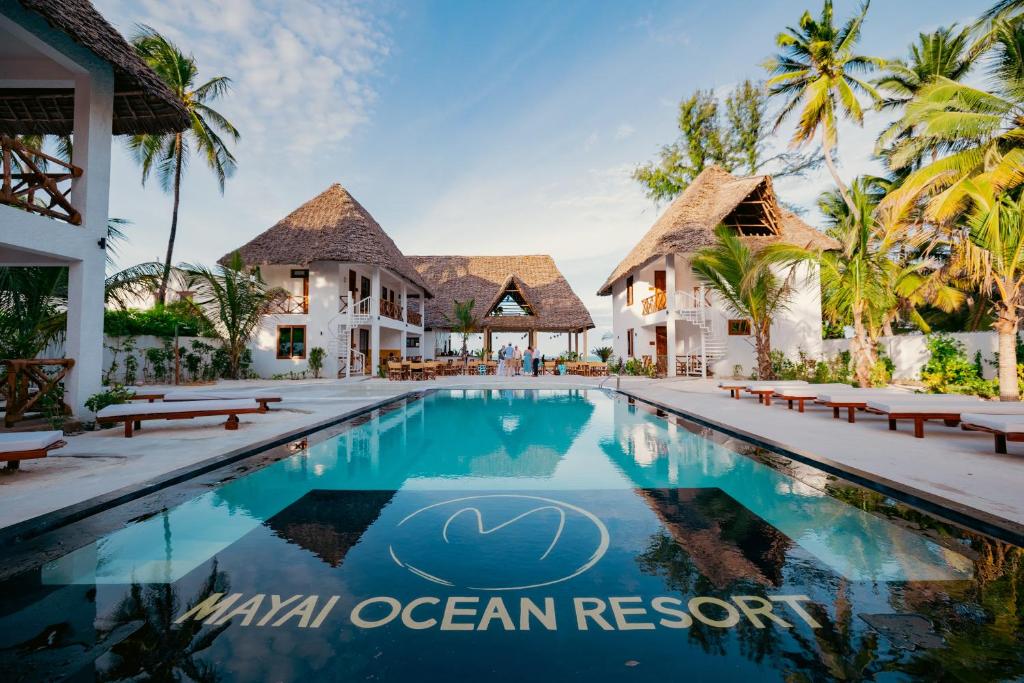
(657, 302)
(389, 309)
(27, 183)
(290, 304)
(414, 318)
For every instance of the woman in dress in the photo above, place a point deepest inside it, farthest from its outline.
(527, 360)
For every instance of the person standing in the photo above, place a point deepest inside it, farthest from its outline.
(517, 362)
(536, 364)
(527, 360)
(501, 361)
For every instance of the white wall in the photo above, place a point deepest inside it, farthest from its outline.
(909, 352)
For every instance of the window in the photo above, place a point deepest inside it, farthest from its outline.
(364, 287)
(739, 328)
(352, 284)
(291, 341)
(629, 290)
(412, 342)
(629, 337)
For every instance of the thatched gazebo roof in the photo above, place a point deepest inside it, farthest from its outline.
(331, 226)
(553, 305)
(748, 203)
(142, 102)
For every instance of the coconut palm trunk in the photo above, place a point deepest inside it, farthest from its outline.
(861, 349)
(763, 349)
(844, 191)
(1006, 327)
(162, 292)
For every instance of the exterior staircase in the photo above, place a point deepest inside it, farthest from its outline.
(696, 308)
(351, 314)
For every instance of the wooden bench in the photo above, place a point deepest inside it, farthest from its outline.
(264, 399)
(18, 446)
(134, 415)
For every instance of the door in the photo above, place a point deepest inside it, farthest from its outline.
(364, 348)
(660, 298)
(661, 349)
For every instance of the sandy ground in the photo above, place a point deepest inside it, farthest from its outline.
(948, 463)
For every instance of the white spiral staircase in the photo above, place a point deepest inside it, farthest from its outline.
(696, 308)
(351, 315)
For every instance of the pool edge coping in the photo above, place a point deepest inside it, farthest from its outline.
(972, 518)
(55, 519)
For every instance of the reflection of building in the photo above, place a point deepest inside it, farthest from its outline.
(329, 523)
(724, 540)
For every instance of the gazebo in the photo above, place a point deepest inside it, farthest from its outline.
(525, 294)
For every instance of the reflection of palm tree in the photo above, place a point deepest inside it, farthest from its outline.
(159, 648)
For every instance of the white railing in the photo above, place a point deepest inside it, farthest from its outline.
(697, 307)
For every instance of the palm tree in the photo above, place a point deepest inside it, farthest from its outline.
(815, 74)
(992, 255)
(979, 131)
(170, 152)
(463, 322)
(867, 282)
(748, 285)
(233, 298)
(944, 53)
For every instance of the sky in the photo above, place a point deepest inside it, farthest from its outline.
(470, 127)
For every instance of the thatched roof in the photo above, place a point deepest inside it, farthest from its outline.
(331, 226)
(715, 197)
(142, 102)
(555, 306)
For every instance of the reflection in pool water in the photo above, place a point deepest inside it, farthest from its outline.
(420, 543)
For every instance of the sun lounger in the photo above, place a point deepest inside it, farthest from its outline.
(922, 408)
(736, 386)
(1003, 427)
(765, 390)
(800, 394)
(18, 446)
(853, 399)
(132, 414)
(261, 397)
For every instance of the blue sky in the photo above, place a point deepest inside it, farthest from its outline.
(469, 127)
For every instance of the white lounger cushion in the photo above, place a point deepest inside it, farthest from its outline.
(805, 389)
(764, 384)
(14, 442)
(853, 394)
(903, 405)
(189, 395)
(1008, 424)
(122, 409)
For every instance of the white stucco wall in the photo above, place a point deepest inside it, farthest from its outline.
(909, 352)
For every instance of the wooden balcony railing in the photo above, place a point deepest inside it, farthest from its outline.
(26, 183)
(390, 309)
(414, 318)
(657, 302)
(292, 304)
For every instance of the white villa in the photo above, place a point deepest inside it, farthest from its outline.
(65, 71)
(353, 293)
(662, 313)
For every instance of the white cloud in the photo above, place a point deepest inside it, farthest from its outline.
(624, 131)
(301, 73)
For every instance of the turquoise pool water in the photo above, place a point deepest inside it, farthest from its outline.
(514, 535)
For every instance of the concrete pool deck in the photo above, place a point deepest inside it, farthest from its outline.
(948, 464)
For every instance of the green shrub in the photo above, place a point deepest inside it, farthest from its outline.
(115, 395)
(949, 371)
(316, 360)
(160, 322)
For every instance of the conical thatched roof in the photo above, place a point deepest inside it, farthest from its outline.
(714, 197)
(331, 226)
(142, 102)
(483, 278)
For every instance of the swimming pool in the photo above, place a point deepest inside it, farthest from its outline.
(523, 535)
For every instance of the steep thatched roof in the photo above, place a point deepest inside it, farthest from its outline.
(142, 102)
(715, 197)
(555, 306)
(331, 226)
